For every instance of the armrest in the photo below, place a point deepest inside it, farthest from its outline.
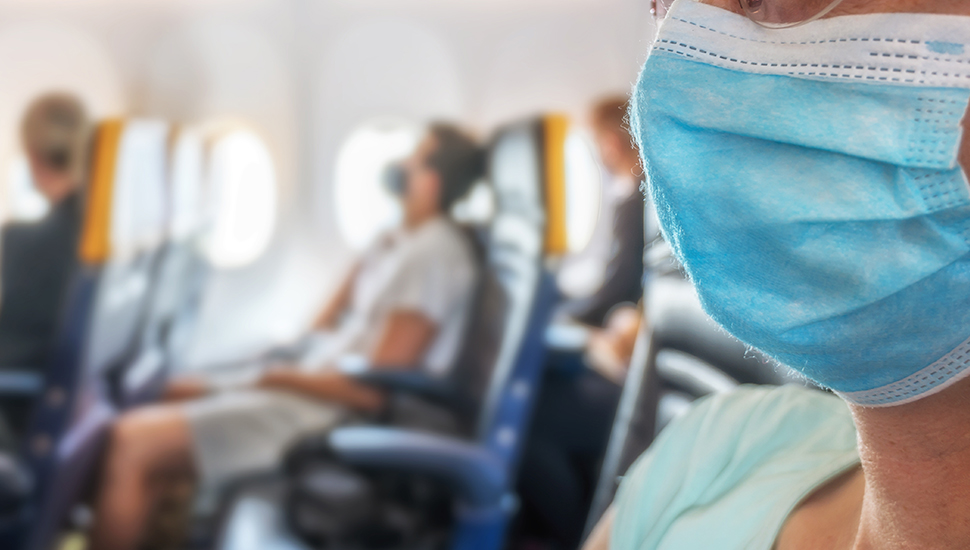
(567, 337)
(411, 381)
(20, 382)
(15, 485)
(693, 375)
(477, 476)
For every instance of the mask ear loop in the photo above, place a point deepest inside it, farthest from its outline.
(817, 16)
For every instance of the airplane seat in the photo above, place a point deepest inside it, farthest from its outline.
(450, 404)
(121, 236)
(414, 399)
(337, 481)
(479, 353)
(681, 355)
(447, 404)
(179, 278)
(679, 323)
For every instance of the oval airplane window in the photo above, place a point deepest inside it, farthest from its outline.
(583, 191)
(242, 181)
(364, 208)
(21, 200)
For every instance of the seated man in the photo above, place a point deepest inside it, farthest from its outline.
(405, 304)
(821, 211)
(624, 271)
(38, 257)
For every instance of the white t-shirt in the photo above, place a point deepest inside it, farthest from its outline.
(430, 270)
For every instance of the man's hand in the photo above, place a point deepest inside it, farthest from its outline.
(328, 386)
(185, 388)
(610, 349)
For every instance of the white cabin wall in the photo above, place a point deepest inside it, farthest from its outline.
(212, 68)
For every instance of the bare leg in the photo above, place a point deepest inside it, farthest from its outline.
(144, 443)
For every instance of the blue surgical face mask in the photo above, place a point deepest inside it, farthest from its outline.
(395, 179)
(808, 180)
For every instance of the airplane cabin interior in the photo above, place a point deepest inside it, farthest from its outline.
(436, 274)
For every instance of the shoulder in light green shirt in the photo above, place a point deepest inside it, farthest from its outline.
(727, 474)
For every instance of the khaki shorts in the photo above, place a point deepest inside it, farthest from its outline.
(244, 432)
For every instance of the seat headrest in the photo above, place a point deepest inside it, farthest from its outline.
(527, 166)
(126, 206)
(554, 131)
(189, 213)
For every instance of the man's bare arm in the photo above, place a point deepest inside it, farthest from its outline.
(404, 340)
(331, 312)
(332, 386)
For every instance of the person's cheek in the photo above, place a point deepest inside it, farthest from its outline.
(425, 188)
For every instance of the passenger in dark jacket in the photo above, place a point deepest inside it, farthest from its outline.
(623, 279)
(37, 258)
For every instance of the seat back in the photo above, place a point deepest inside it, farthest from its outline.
(122, 235)
(179, 276)
(479, 351)
(528, 175)
(527, 170)
(681, 355)
(480, 340)
(511, 301)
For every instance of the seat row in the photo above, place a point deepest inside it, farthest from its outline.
(130, 310)
(128, 317)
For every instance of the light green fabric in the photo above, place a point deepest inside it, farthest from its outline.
(727, 474)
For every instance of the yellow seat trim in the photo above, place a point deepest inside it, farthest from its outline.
(555, 128)
(95, 246)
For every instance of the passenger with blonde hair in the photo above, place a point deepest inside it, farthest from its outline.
(37, 258)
